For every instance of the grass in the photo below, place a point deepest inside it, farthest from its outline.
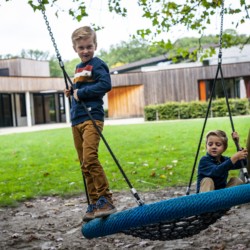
(153, 155)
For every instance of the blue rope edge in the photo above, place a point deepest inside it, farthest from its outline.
(167, 210)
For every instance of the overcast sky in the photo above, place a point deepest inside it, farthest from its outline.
(22, 28)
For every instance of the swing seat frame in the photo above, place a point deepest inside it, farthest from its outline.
(171, 219)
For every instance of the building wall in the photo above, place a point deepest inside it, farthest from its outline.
(247, 84)
(31, 84)
(131, 91)
(26, 67)
(180, 84)
(126, 101)
(21, 121)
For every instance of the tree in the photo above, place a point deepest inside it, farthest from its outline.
(183, 49)
(35, 54)
(131, 51)
(192, 47)
(56, 71)
(29, 54)
(7, 56)
(167, 15)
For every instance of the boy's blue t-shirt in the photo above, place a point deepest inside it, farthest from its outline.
(92, 79)
(218, 171)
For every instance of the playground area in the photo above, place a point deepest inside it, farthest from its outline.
(55, 223)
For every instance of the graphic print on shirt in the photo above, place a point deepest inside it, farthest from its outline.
(83, 74)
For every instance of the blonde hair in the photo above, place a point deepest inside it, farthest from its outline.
(84, 32)
(221, 134)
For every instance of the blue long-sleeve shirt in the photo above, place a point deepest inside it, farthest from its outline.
(92, 79)
(218, 171)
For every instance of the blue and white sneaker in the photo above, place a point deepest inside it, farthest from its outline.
(90, 213)
(104, 207)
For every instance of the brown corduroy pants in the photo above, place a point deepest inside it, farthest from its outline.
(86, 140)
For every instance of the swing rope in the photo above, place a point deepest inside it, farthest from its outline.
(67, 79)
(219, 70)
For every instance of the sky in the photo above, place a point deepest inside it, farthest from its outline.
(22, 28)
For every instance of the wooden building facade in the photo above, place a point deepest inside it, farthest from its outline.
(28, 96)
(175, 84)
(27, 100)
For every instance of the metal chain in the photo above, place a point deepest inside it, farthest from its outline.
(221, 31)
(66, 77)
(210, 100)
(51, 34)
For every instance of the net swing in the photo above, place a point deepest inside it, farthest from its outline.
(175, 218)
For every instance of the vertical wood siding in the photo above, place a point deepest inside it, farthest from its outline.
(127, 101)
(180, 84)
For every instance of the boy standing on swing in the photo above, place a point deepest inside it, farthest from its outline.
(91, 82)
(214, 167)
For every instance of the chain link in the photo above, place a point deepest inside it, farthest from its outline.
(51, 34)
(221, 31)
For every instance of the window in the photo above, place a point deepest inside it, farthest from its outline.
(22, 104)
(5, 110)
(61, 103)
(231, 86)
(4, 72)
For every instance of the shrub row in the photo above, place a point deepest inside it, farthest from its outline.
(196, 109)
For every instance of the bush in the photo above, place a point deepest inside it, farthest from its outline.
(168, 112)
(150, 113)
(196, 109)
(106, 113)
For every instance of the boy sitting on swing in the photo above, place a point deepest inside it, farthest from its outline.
(214, 167)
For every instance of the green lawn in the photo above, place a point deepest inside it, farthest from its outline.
(153, 155)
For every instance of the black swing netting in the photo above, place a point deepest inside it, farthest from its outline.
(176, 229)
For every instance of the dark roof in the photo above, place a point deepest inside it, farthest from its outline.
(136, 66)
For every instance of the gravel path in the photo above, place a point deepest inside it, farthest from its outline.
(55, 223)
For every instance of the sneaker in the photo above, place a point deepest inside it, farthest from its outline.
(90, 213)
(105, 207)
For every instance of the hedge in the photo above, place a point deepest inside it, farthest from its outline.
(196, 109)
